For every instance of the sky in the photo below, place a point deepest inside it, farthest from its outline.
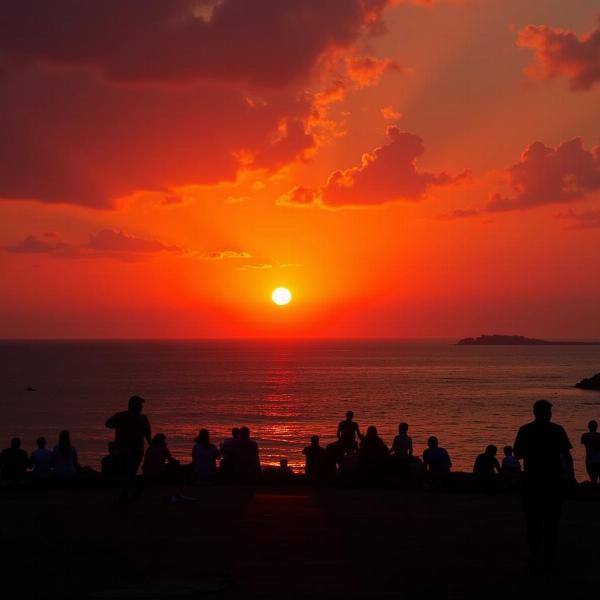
(407, 169)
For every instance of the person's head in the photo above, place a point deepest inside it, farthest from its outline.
(593, 426)
(15, 443)
(235, 433)
(159, 439)
(432, 442)
(112, 448)
(542, 410)
(508, 450)
(372, 432)
(403, 428)
(349, 415)
(64, 441)
(135, 405)
(244, 433)
(203, 438)
(491, 450)
(314, 440)
(283, 463)
(41, 442)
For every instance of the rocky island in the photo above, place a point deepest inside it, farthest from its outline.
(590, 383)
(516, 340)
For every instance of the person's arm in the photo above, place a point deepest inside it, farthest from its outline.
(358, 433)
(497, 466)
(583, 439)
(112, 422)
(566, 452)
(339, 431)
(410, 447)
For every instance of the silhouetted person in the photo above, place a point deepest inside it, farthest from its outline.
(131, 429)
(347, 432)
(109, 465)
(64, 457)
(510, 464)
(228, 442)
(41, 461)
(545, 448)
(205, 456)
(436, 460)
(316, 460)
(284, 470)
(402, 446)
(158, 463)
(591, 441)
(246, 462)
(374, 454)
(14, 461)
(486, 466)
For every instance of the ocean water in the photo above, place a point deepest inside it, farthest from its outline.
(286, 391)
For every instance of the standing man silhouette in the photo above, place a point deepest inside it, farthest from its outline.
(545, 448)
(131, 429)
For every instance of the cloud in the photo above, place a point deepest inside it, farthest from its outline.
(459, 213)
(582, 220)
(299, 196)
(366, 71)
(105, 98)
(546, 175)
(390, 113)
(105, 243)
(387, 174)
(266, 42)
(225, 255)
(561, 52)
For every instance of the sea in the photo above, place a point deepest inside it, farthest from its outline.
(287, 391)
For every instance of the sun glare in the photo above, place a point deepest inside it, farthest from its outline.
(281, 296)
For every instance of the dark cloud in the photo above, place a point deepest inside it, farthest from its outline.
(546, 175)
(459, 213)
(264, 42)
(561, 52)
(582, 220)
(105, 243)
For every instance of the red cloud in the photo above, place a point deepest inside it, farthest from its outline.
(459, 213)
(387, 174)
(560, 52)
(105, 243)
(265, 42)
(70, 136)
(546, 175)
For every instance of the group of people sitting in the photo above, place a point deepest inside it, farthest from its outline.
(352, 454)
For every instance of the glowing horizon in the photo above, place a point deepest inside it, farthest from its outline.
(407, 169)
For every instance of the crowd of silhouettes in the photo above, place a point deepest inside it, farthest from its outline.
(542, 445)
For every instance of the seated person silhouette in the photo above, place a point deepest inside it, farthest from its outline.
(317, 460)
(591, 441)
(109, 466)
(14, 461)
(347, 432)
(41, 461)
(159, 464)
(204, 457)
(245, 457)
(374, 455)
(402, 446)
(284, 470)
(546, 451)
(64, 458)
(436, 460)
(510, 464)
(486, 466)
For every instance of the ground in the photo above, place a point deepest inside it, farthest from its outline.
(285, 543)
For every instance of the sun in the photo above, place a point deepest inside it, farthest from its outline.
(281, 296)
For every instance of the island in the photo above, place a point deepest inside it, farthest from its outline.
(517, 340)
(590, 383)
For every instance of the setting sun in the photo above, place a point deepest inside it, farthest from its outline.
(281, 296)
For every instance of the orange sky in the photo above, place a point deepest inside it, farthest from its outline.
(406, 169)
